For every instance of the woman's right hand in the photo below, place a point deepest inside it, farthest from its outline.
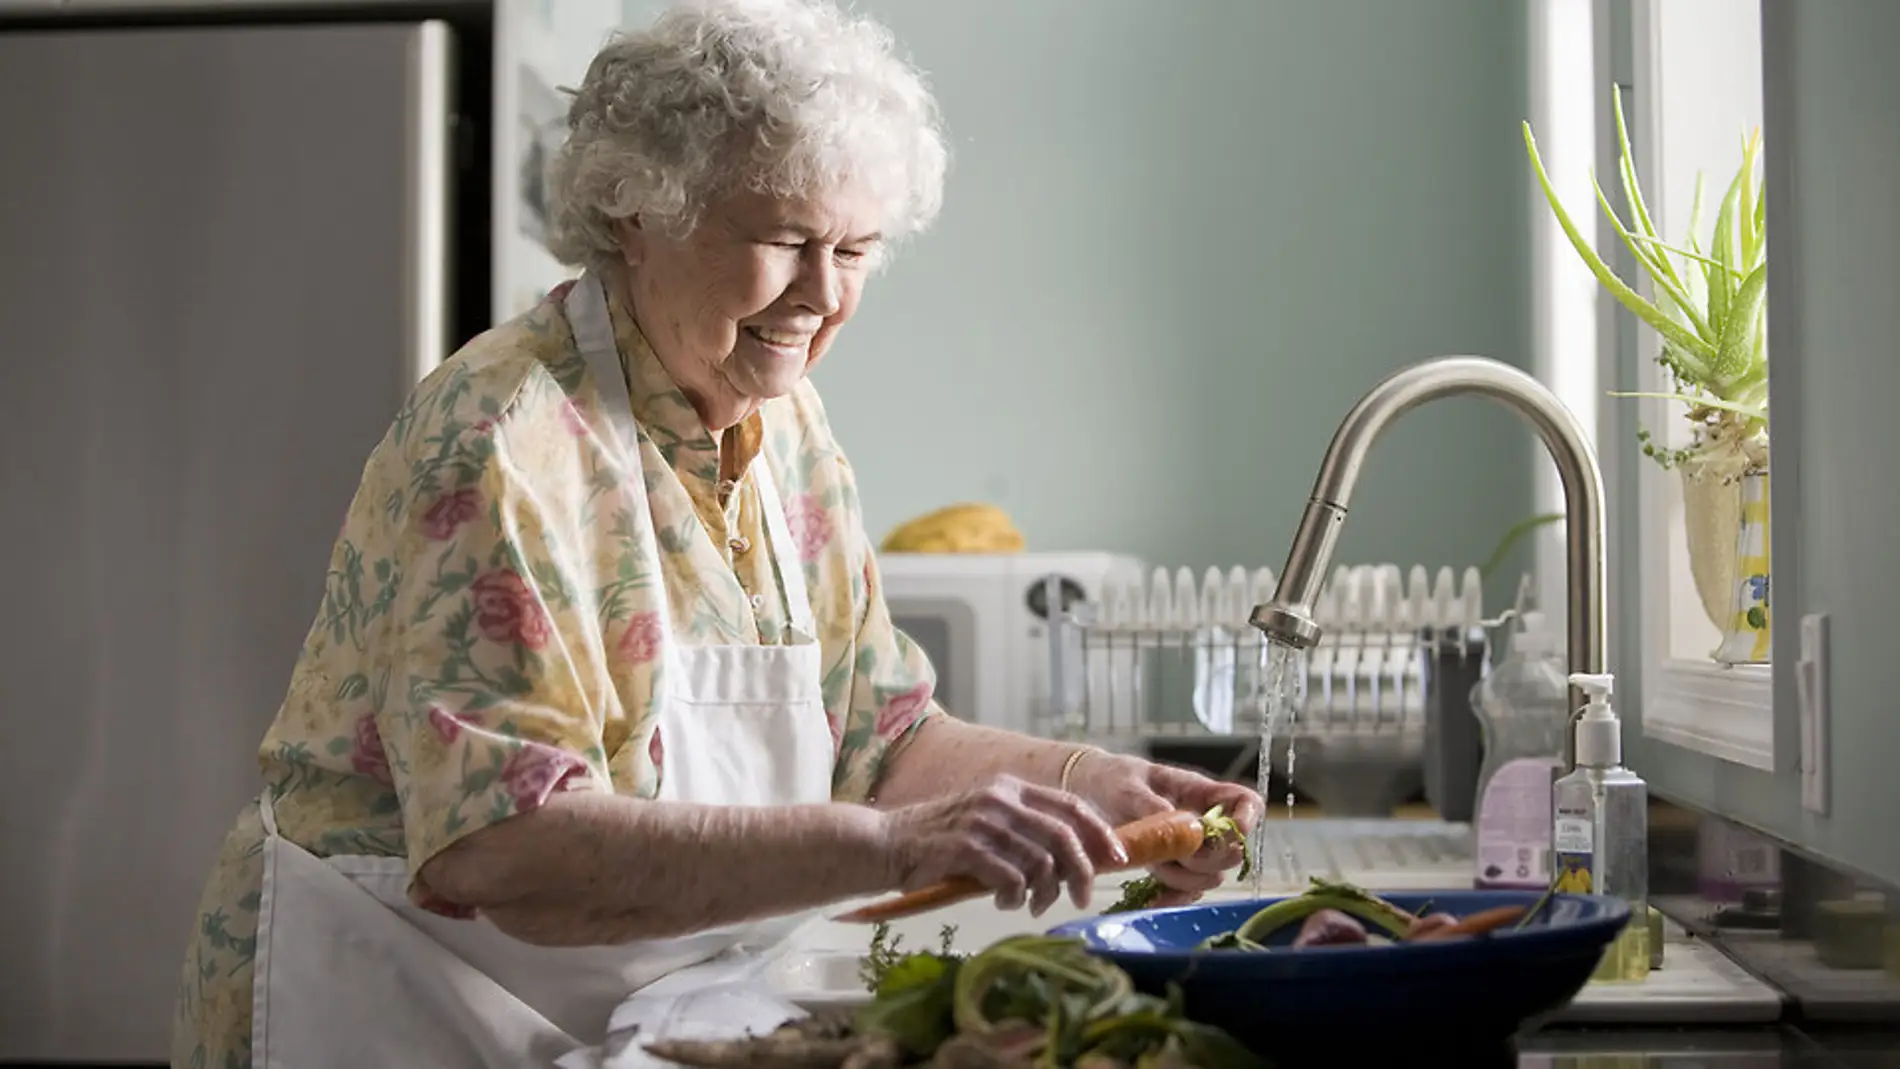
(1020, 841)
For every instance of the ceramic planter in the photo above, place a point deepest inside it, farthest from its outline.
(1712, 514)
(1725, 520)
(1748, 629)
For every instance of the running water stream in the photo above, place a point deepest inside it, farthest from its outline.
(1280, 700)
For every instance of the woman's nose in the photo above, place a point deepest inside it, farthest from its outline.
(816, 287)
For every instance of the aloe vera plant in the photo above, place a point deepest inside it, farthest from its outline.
(1711, 305)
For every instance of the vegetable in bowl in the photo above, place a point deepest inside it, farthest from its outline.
(1297, 978)
(1340, 914)
(1024, 1002)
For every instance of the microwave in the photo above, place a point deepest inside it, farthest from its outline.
(982, 619)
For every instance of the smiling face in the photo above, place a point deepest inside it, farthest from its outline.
(745, 305)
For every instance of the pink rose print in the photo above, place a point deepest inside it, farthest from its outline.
(447, 725)
(536, 771)
(837, 735)
(811, 528)
(571, 416)
(483, 426)
(655, 752)
(367, 755)
(641, 643)
(900, 711)
(507, 611)
(559, 293)
(449, 512)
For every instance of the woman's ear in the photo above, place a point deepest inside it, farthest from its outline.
(632, 239)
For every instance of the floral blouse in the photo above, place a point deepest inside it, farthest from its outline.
(495, 609)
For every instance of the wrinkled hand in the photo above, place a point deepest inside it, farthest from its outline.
(1127, 788)
(1021, 841)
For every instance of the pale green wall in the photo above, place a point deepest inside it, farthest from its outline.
(1833, 166)
(1180, 239)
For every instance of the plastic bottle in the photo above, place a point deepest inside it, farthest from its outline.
(1523, 708)
(1601, 829)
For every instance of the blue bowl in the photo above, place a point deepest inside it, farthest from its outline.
(1318, 1002)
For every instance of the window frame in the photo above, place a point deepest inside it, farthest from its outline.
(1693, 703)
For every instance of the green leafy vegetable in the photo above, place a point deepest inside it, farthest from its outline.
(1539, 907)
(1258, 929)
(1138, 893)
(1042, 998)
(1031, 1000)
(886, 954)
(880, 959)
(913, 1004)
(1229, 941)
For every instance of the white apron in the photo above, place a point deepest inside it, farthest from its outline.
(350, 975)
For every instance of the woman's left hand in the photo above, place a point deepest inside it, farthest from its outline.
(1127, 788)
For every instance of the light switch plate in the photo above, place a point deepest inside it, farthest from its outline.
(1812, 684)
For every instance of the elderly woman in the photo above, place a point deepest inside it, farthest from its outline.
(602, 684)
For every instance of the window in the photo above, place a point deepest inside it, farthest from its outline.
(1702, 61)
(1696, 92)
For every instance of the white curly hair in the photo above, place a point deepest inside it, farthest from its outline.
(790, 98)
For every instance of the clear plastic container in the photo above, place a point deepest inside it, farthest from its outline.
(1602, 828)
(1523, 710)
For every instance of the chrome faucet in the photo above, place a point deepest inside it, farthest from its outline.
(1288, 618)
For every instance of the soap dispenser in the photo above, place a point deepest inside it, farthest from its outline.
(1600, 828)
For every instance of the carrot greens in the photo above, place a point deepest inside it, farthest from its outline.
(1216, 826)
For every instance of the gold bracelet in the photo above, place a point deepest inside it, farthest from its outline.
(1068, 767)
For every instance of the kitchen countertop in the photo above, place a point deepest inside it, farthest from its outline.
(1738, 1048)
(1766, 1047)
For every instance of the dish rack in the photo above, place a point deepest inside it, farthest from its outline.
(1383, 702)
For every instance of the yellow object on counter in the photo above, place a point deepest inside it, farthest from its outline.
(962, 528)
(1627, 958)
(1848, 934)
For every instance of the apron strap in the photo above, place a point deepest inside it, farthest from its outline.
(267, 811)
(786, 561)
(593, 327)
(592, 324)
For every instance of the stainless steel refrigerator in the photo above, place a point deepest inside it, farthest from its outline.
(227, 251)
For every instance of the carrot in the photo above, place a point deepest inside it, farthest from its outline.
(1482, 922)
(1149, 841)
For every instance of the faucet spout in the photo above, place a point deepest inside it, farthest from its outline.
(1288, 618)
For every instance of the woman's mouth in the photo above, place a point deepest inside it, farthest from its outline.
(783, 342)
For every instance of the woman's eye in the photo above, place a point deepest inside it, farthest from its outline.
(850, 255)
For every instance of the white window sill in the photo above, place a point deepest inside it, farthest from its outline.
(1726, 713)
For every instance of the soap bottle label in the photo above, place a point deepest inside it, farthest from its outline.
(1514, 826)
(1574, 842)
